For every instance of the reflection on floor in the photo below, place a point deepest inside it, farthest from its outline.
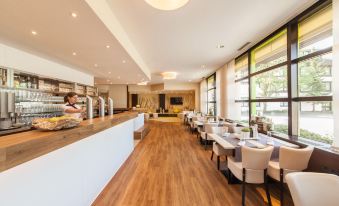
(166, 119)
(170, 167)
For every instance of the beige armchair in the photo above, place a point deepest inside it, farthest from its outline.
(252, 169)
(290, 160)
(219, 150)
(208, 129)
(193, 127)
(313, 189)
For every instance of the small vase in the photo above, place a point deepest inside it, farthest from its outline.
(245, 135)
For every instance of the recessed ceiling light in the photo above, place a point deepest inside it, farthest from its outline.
(118, 77)
(220, 46)
(74, 53)
(127, 83)
(123, 61)
(108, 46)
(95, 65)
(34, 32)
(107, 80)
(111, 83)
(189, 80)
(109, 72)
(167, 5)
(74, 15)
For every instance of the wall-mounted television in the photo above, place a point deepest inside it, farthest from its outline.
(176, 100)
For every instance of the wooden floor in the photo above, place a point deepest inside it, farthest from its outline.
(170, 167)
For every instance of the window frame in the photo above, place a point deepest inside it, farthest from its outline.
(214, 102)
(292, 99)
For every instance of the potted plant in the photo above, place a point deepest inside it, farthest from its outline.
(245, 133)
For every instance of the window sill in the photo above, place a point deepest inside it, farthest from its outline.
(303, 142)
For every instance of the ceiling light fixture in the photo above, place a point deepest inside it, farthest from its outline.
(169, 75)
(143, 83)
(74, 15)
(167, 4)
(34, 32)
(74, 53)
(220, 46)
(109, 72)
(123, 61)
(95, 65)
(118, 77)
(108, 46)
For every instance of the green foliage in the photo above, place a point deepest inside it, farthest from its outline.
(246, 129)
(304, 133)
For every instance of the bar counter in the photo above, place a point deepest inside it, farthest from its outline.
(73, 164)
(21, 147)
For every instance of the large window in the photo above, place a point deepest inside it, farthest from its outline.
(270, 53)
(211, 95)
(288, 79)
(242, 90)
(315, 41)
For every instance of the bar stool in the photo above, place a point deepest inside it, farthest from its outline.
(290, 160)
(252, 169)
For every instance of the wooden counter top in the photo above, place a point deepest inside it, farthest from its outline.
(18, 148)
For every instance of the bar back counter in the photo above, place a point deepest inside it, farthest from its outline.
(69, 167)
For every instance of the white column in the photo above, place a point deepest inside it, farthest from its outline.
(335, 71)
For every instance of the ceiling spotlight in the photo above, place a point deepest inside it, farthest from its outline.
(123, 61)
(189, 80)
(34, 32)
(167, 4)
(169, 75)
(143, 83)
(220, 46)
(127, 83)
(74, 15)
(74, 53)
(108, 46)
(118, 77)
(95, 65)
(109, 72)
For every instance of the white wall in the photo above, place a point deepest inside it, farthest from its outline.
(20, 60)
(71, 176)
(139, 89)
(118, 92)
(335, 71)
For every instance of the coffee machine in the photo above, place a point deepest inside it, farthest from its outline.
(7, 109)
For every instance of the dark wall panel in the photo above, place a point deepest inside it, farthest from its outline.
(134, 100)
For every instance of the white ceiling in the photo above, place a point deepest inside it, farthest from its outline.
(149, 40)
(59, 35)
(185, 39)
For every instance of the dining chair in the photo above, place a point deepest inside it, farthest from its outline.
(207, 129)
(219, 150)
(313, 189)
(252, 169)
(290, 160)
(193, 126)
